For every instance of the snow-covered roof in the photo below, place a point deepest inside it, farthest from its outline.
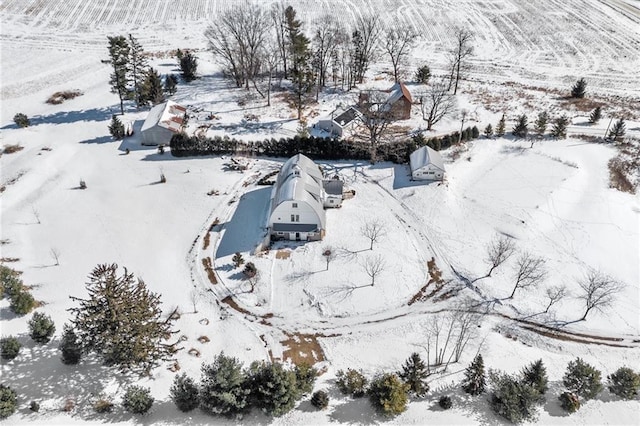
(424, 156)
(169, 115)
(300, 179)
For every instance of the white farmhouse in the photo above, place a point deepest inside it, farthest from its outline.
(298, 200)
(426, 164)
(163, 121)
(341, 125)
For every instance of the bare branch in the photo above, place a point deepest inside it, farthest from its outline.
(55, 253)
(436, 103)
(373, 230)
(459, 57)
(373, 266)
(530, 271)
(329, 254)
(500, 249)
(599, 291)
(555, 294)
(399, 40)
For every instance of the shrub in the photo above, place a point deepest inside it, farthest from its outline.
(388, 394)
(250, 270)
(624, 383)
(22, 302)
(10, 281)
(423, 74)
(512, 399)
(582, 379)
(41, 328)
(137, 399)
(305, 378)
(10, 149)
(352, 383)
(21, 120)
(34, 406)
(475, 132)
(9, 347)
(488, 131)
(223, 387)
(445, 402)
(320, 400)
(273, 389)
(102, 405)
(569, 401)
(8, 401)
(184, 393)
(70, 346)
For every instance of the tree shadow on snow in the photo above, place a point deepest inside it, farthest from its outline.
(62, 117)
(356, 411)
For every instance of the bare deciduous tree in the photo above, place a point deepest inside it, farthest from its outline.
(55, 254)
(329, 254)
(555, 294)
(373, 266)
(459, 57)
(398, 42)
(376, 116)
(365, 37)
(373, 230)
(530, 271)
(282, 40)
(436, 103)
(36, 214)
(500, 249)
(449, 333)
(328, 35)
(194, 296)
(599, 291)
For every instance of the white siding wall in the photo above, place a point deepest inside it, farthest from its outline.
(428, 172)
(301, 214)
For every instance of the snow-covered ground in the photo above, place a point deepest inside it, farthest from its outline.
(552, 198)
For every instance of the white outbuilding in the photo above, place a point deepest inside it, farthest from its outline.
(426, 164)
(297, 211)
(163, 121)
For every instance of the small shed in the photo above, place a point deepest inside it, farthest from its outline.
(342, 123)
(426, 164)
(332, 193)
(400, 101)
(163, 121)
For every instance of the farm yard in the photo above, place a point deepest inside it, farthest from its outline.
(348, 301)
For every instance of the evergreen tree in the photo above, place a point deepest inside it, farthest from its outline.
(137, 69)
(22, 302)
(305, 378)
(414, 373)
(8, 401)
(474, 378)
(119, 51)
(320, 399)
(624, 383)
(116, 128)
(618, 130)
(501, 128)
(188, 66)
(535, 375)
(9, 348)
(223, 388)
(388, 394)
(41, 328)
(488, 131)
(300, 54)
(569, 402)
(475, 132)
(170, 84)
(559, 129)
(579, 89)
(70, 346)
(184, 393)
(541, 123)
(352, 382)
(445, 402)
(21, 120)
(273, 389)
(137, 399)
(521, 129)
(151, 91)
(423, 74)
(595, 115)
(121, 321)
(582, 379)
(513, 399)
(237, 259)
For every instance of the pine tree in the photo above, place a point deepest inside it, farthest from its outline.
(569, 402)
(351, 382)
(521, 129)
(184, 393)
(423, 74)
(582, 379)
(624, 383)
(22, 302)
(188, 66)
(388, 394)
(170, 84)
(137, 399)
(273, 389)
(301, 71)
(237, 259)
(151, 91)
(474, 378)
(579, 89)
(70, 346)
(223, 387)
(116, 128)
(121, 321)
(305, 378)
(488, 131)
(501, 129)
(513, 399)
(9, 348)
(8, 401)
(618, 130)
(541, 123)
(475, 132)
(559, 129)
(595, 115)
(320, 399)
(414, 373)
(137, 69)
(41, 328)
(535, 375)
(119, 51)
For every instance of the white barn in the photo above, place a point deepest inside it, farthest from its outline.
(297, 211)
(163, 121)
(426, 164)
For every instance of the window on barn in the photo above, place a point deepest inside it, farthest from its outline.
(295, 205)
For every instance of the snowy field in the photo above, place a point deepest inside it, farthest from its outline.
(553, 199)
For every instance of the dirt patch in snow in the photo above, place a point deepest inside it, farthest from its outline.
(208, 266)
(283, 254)
(303, 348)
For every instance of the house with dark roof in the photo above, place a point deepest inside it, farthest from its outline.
(341, 124)
(163, 121)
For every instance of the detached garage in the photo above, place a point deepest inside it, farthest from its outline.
(426, 164)
(163, 121)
